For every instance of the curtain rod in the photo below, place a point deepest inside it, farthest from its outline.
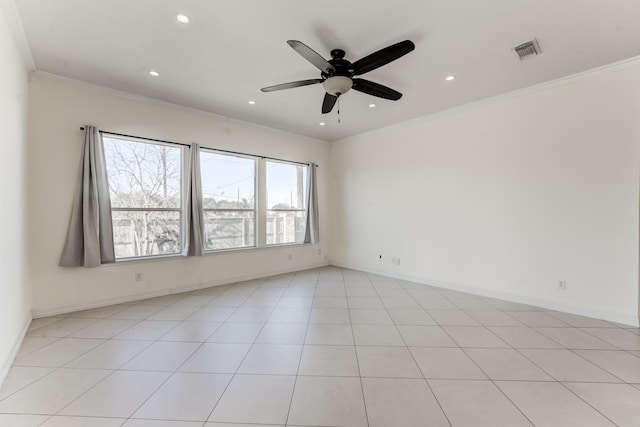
(189, 145)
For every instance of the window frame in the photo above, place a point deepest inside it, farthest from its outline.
(182, 224)
(256, 161)
(266, 204)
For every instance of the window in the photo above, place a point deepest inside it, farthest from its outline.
(145, 182)
(228, 200)
(286, 202)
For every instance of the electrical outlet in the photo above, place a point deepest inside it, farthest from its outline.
(139, 277)
(319, 251)
(562, 285)
(395, 261)
(290, 256)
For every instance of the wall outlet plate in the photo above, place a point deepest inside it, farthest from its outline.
(562, 285)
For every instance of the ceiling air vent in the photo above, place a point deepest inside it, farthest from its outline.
(526, 49)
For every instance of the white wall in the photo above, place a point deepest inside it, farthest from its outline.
(57, 109)
(14, 295)
(505, 197)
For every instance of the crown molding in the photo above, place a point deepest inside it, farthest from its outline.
(14, 22)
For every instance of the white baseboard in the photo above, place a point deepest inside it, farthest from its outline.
(64, 309)
(507, 296)
(8, 362)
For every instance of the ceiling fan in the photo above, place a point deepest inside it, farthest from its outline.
(337, 74)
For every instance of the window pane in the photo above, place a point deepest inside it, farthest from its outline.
(285, 227)
(229, 229)
(146, 233)
(142, 175)
(286, 186)
(228, 182)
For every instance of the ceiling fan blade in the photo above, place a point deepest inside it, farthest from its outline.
(328, 103)
(375, 89)
(311, 55)
(382, 57)
(291, 85)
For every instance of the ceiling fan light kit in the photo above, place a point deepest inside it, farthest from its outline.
(337, 74)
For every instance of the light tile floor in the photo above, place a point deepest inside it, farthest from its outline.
(323, 347)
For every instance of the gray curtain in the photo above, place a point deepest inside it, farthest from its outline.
(195, 236)
(312, 232)
(89, 240)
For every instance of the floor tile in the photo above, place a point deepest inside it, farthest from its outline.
(391, 362)
(506, 364)
(494, 318)
(250, 315)
(619, 363)
(401, 402)
(58, 353)
(53, 392)
(15, 420)
(20, 377)
(296, 302)
(574, 339)
(369, 317)
(290, 315)
(453, 318)
(446, 363)
(329, 315)
(426, 336)
(399, 302)
(282, 333)
(174, 312)
(137, 312)
(618, 402)
(377, 335)
(469, 304)
(162, 301)
(477, 404)
(147, 330)
(565, 365)
(330, 302)
(62, 328)
(328, 401)
(191, 331)
(411, 317)
(31, 344)
(438, 303)
(275, 359)
(212, 314)
(255, 399)
(159, 423)
(219, 358)
(236, 332)
(329, 334)
(524, 337)
(581, 321)
(162, 356)
(618, 337)
(110, 355)
(194, 300)
(118, 395)
(364, 302)
(329, 360)
(104, 329)
(537, 318)
(43, 321)
(550, 404)
(227, 301)
(185, 397)
(98, 313)
(474, 336)
(66, 421)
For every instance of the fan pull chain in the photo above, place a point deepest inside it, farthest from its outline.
(338, 110)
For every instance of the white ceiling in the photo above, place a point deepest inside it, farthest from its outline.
(232, 48)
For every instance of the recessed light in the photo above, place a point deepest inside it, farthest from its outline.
(449, 78)
(321, 123)
(372, 105)
(181, 17)
(252, 102)
(154, 73)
